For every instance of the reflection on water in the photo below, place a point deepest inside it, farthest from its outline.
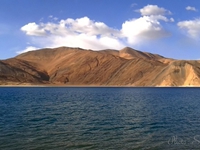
(99, 118)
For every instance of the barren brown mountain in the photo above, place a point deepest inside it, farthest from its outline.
(75, 66)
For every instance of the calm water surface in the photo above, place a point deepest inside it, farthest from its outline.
(99, 118)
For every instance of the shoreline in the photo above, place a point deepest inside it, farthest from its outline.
(94, 86)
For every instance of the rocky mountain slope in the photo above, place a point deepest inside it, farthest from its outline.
(75, 66)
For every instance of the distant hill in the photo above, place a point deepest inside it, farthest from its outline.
(75, 66)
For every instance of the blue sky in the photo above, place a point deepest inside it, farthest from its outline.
(169, 28)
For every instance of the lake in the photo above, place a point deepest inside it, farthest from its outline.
(99, 118)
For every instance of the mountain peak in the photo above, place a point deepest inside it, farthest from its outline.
(130, 53)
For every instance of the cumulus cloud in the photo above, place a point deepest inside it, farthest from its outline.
(27, 49)
(89, 34)
(153, 10)
(70, 26)
(34, 29)
(81, 32)
(148, 27)
(192, 28)
(80, 40)
(144, 28)
(190, 8)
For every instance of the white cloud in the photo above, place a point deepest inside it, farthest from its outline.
(81, 32)
(144, 28)
(70, 26)
(81, 40)
(192, 28)
(27, 49)
(153, 10)
(191, 8)
(33, 29)
(89, 34)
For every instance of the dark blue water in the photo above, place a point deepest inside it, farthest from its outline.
(99, 118)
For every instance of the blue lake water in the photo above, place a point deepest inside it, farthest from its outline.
(99, 118)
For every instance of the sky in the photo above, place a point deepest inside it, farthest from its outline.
(169, 28)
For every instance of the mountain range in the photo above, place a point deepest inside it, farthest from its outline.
(76, 66)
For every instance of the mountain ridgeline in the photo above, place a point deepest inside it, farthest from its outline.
(75, 66)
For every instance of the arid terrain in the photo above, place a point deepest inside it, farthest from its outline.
(75, 66)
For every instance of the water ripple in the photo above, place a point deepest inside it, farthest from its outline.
(99, 118)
